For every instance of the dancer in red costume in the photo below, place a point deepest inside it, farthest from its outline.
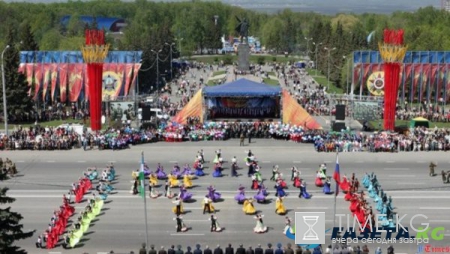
(345, 185)
(297, 180)
(318, 181)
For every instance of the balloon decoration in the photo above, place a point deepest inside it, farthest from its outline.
(94, 53)
(393, 52)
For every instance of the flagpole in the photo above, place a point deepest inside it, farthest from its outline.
(145, 202)
(337, 189)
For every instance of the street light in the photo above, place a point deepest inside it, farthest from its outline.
(348, 73)
(179, 45)
(171, 70)
(307, 45)
(216, 17)
(157, 70)
(329, 56)
(5, 112)
(317, 47)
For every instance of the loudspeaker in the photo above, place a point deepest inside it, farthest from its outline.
(339, 126)
(340, 112)
(146, 114)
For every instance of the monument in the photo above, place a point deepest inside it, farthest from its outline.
(243, 48)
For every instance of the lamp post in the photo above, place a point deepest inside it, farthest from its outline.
(348, 73)
(307, 45)
(216, 17)
(317, 47)
(5, 112)
(179, 45)
(157, 70)
(329, 56)
(171, 70)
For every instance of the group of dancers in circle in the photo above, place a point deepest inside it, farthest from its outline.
(59, 219)
(384, 203)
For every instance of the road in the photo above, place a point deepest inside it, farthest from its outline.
(45, 176)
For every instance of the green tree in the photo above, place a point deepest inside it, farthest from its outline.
(26, 37)
(50, 40)
(18, 102)
(10, 228)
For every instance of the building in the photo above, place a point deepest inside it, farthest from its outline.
(110, 25)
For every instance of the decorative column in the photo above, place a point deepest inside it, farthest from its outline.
(393, 52)
(94, 53)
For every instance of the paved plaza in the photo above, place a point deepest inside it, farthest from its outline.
(44, 176)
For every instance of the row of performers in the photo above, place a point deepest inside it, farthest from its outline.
(177, 173)
(57, 226)
(384, 204)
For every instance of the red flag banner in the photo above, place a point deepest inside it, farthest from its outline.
(433, 77)
(357, 75)
(46, 79)
(38, 74)
(53, 79)
(440, 78)
(75, 81)
(417, 72)
(425, 79)
(407, 78)
(63, 71)
(128, 76)
(137, 67)
(29, 69)
(86, 83)
(120, 73)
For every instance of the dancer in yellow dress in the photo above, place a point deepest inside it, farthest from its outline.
(178, 208)
(279, 206)
(248, 207)
(187, 181)
(208, 206)
(153, 179)
(173, 182)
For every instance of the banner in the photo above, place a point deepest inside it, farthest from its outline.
(110, 82)
(38, 74)
(63, 71)
(22, 68)
(417, 68)
(29, 68)
(137, 67)
(425, 81)
(128, 76)
(75, 81)
(53, 80)
(46, 79)
(120, 76)
(441, 80)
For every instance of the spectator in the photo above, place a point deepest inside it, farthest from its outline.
(307, 251)
(259, 250)
(143, 250)
(152, 249)
(240, 250)
(188, 250)
(218, 250)
(390, 249)
(279, 250)
(269, 249)
(162, 250)
(207, 250)
(171, 250)
(298, 250)
(288, 249)
(179, 250)
(230, 249)
(197, 249)
(378, 251)
(250, 250)
(365, 249)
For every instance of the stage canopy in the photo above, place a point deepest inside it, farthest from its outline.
(242, 88)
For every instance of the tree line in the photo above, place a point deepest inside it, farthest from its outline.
(195, 25)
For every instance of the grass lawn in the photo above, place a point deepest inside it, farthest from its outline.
(212, 82)
(378, 124)
(272, 73)
(320, 79)
(253, 58)
(272, 82)
(217, 73)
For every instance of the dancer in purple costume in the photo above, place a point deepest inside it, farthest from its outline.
(176, 171)
(184, 194)
(187, 170)
(160, 172)
(212, 194)
(240, 197)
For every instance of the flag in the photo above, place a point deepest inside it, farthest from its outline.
(142, 178)
(337, 175)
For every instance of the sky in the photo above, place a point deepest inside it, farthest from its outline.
(320, 6)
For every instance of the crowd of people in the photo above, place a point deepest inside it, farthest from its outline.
(259, 249)
(418, 139)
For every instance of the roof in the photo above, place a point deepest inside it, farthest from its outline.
(242, 88)
(420, 119)
(102, 22)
